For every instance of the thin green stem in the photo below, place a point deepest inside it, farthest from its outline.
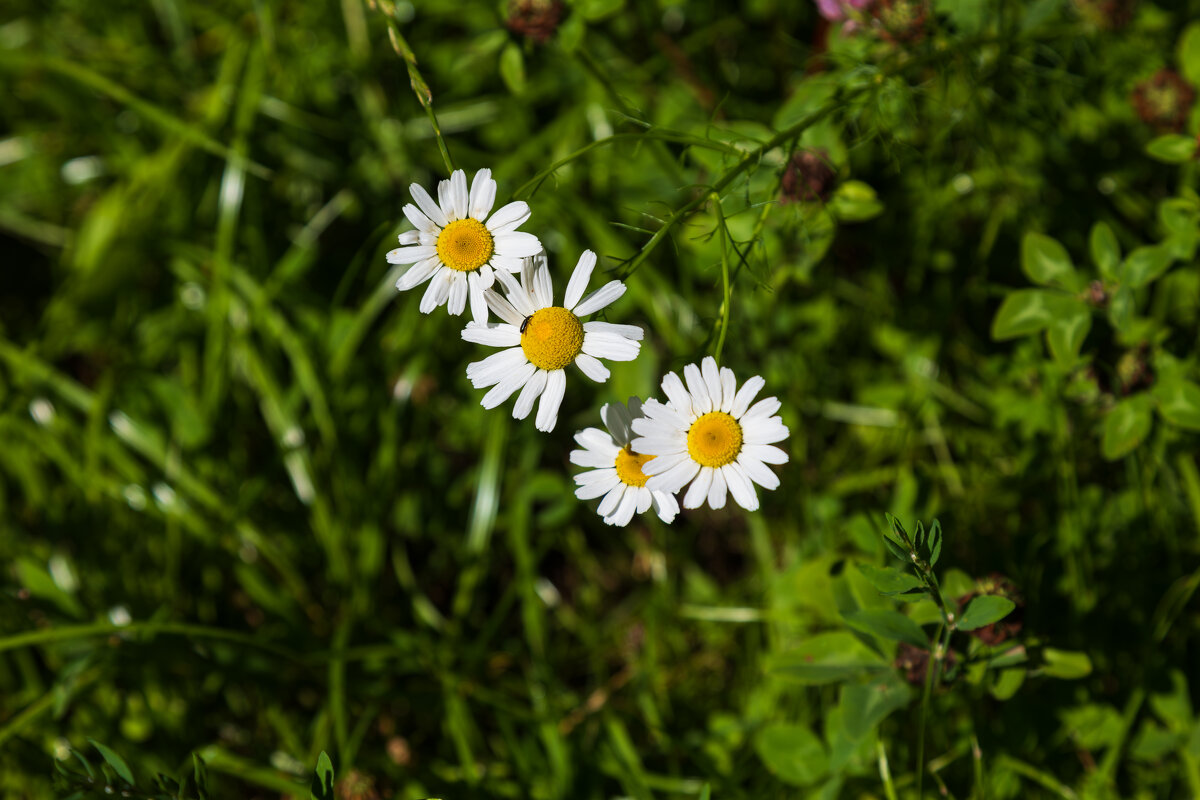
(725, 289)
(75, 632)
(419, 86)
(885, 772)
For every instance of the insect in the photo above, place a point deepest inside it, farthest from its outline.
(525, 323)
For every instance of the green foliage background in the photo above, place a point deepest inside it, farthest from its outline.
(251, 509)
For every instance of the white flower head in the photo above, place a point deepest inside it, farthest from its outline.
(616, 472)
(708, 434)
(457, 247)
(542, 339)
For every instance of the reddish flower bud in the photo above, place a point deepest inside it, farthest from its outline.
(1164, 100)
(535, 19)
(808, 178)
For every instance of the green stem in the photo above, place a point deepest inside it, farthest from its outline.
(74, 632)
(724, 279)
(420, 87)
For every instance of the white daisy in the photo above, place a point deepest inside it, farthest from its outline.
(709, 434)
(541, 339)
(617, 473)
(457, 247)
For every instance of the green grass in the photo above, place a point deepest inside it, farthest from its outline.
(251, 509)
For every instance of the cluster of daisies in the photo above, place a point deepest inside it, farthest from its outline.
(709, 437)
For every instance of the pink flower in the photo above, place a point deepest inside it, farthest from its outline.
(838, 10)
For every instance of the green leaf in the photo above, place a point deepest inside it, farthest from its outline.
(322, 782)
(1172, 148)
(984, 610)
(855, 201)
(1146, 263)
(1187, 53)
(887, 624)
(1065, 334)
(1120, 308)
(792, 753)
(1006, 682)
(512, 68)
(598, 9)
(826, 658)
(889, 580)
(1023, 312)
(36, 580)
(115, 761)
(865, 705)
(1106, 250)
(1066, 664)
(200, 772)
(1045, 261)
(935, 543)
(1179, 403)
(1125, 426)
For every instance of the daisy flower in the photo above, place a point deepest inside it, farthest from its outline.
(708, 434)
(457, 247)
(542, 339)
(617, 469)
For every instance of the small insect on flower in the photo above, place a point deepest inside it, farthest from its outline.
(542, 339)
(616, 473)
(709, 435)
(458, 247)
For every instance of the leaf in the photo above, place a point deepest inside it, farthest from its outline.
(1146, 263)
(1179, 403)
(200, 771)
(1125, 426)
(1187, 53)
(827, 657)
(1066, 664)
(1023, 312)
(865, 705)
(1172, 148)
(887, 624)
(935, 543)
(855, 201)
(1106, 250)
(984, 610)
(115, 761)
(1045, 261)
(1006, 682)
(1066, 334)
(322, 782)
(512, 68)
(792, 753)
(1120, 308)
(889, 580)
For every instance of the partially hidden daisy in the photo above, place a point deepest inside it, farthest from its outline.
(616, 472)
(541, 339)
(709, 435)
(457, 247)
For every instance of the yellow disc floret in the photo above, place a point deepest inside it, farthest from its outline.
(465, 245)
(629, 467)
(552, 337)
(715, 439)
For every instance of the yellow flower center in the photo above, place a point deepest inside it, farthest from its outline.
(552, 338)
(465, 245)
(629, 467)
(715, 439)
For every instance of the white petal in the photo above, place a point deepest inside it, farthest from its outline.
(762, 409)
(602, 297)
(617, 419)
(517, 243)
(492, 369)
(614, 348)
(763, 431)
(457, 300)
(666, 506)
(716, 492)
(418, 274)
(521, 302)
(673, 479)
(479, 309)
(493, 334)
(661, 448)
(644, 498)
(624, 331)
(439, 288)
(746, 395)
(487, 276)
(757, 471)
(427, 206)
(508, 218)
(611, 500)
(728, 389)
(458, 194)
(701, 400)
(712, 380)
(446, 200)
(483, 194)
(579, 279)
(410, 255)
(664, 463)
(502, 308)
(556, 387)
(529, 395)
(591, 458)
(598, 441)
(504, 389)
(767, 453)
(509, 264)
(668, 416)
(678, 396)
(697, 493)
(419, 220)
(594, 489)
(543, 289)
(592, 368)
(624, 512)
(740, 487)
(410, 237)
(592, 476)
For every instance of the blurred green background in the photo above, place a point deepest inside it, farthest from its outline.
(250, 507)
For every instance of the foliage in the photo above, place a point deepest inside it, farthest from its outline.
(251, 511)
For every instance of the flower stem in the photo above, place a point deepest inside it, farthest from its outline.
(419, 86)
